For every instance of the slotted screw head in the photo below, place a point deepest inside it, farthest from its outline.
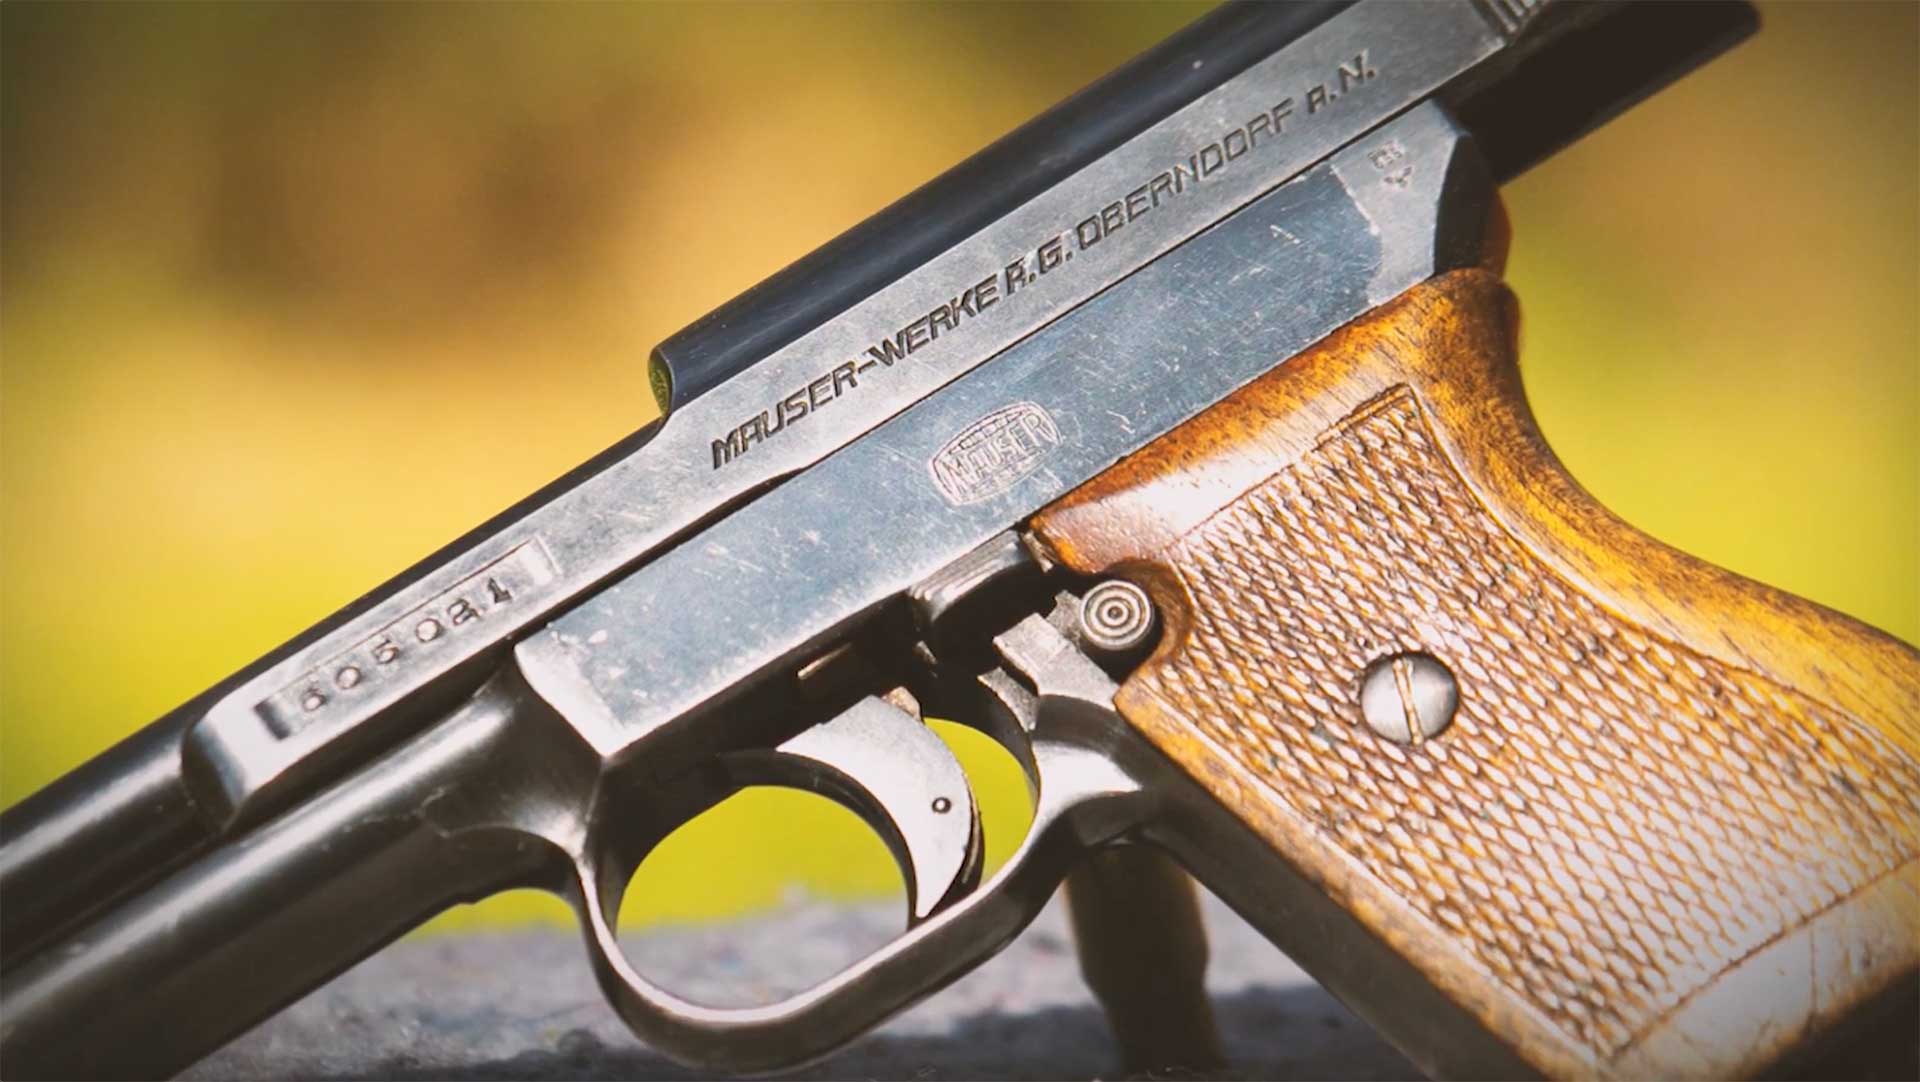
(1408, 697)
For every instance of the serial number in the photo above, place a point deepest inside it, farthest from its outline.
(445, 623)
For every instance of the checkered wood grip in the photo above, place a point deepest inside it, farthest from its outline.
(1642, 827)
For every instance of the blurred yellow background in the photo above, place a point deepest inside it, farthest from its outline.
(295, 294)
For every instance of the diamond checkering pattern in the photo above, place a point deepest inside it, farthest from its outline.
(1611, 820)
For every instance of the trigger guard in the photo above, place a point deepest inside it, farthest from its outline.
(1090, 800)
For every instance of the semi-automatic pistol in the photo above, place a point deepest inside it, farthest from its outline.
(1175, 442)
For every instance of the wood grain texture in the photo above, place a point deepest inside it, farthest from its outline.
(1675, 825)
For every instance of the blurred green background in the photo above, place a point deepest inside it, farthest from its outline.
(294, 294)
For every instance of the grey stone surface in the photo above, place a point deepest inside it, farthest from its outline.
(524, 1005)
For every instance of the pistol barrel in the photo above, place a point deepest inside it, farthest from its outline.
(240, 931)
(953, 206)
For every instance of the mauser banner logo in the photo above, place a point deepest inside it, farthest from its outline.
(992, 454)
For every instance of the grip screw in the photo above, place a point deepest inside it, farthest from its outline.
(1409, 697)
(1116, 617)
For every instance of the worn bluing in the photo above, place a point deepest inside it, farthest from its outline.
(1330, 86)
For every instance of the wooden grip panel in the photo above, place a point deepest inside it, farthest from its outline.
(1673, 825)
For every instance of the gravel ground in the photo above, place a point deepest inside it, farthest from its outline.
(524, 1004)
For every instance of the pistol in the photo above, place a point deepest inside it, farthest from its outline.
(1175, 442)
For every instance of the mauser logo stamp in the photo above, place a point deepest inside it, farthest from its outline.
(992, 454)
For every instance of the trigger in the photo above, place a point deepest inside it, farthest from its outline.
(893, 771)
